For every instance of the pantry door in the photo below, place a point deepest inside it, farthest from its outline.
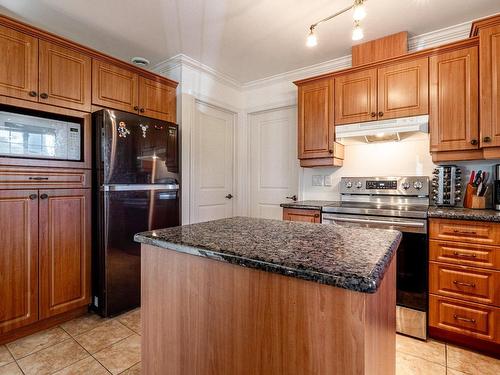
(212, 194)
(273, 161)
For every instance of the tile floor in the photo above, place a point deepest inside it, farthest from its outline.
(92, 345)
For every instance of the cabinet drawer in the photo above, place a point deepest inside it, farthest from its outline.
(464, 254)
(468, 319)
(465, 231)
(303, 215)
(34, 178)
(470, 284)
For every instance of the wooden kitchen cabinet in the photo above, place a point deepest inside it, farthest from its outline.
(18, 258)
(157, 100)
(64, 77)
(403, 89)
(356, 97)
(306, 216)
(454, 88)
(65, 240)
(18, 64)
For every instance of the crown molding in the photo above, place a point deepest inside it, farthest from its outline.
(439, 37)
(180, 60)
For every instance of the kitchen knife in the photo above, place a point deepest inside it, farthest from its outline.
(471, 180)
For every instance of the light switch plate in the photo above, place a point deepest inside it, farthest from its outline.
(318, 180)
(328, 180)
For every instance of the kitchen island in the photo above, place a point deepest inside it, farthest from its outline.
(244, 296)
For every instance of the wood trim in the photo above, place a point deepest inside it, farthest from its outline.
(14, 177)
(470, 42)
(486, 347)
(380, 49)
(444, 156)
(484, 23)
(321, 162)
(41, 325)
(66, 43)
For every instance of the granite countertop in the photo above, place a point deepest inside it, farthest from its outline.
(308, 205)
(460, 213)
(344, 257)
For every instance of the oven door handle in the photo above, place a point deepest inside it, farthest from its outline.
(368, 221)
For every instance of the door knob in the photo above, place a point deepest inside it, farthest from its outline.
(229, 196)
(293, 198)
(43, 196)
(33, 196)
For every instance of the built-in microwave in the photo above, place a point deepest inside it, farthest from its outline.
(39, 137)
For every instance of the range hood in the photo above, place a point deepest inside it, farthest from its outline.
(383, 130)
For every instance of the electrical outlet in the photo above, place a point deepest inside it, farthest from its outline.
(328, 180)
(318, 180)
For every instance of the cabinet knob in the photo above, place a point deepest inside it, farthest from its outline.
(473, 142)
(380, 114)
(316, 215)
(136, 108)
(330, 151)
(487, 139)
(373, 114)
(32, 94)
(44, 95)
(33, 196)
(141, 110)
(43, 196)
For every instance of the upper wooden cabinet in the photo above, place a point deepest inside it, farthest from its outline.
(65, 77)
(356, 97)
(454, 119)
(157, 100)
(403, 89)
(114, 87)
(18, 65)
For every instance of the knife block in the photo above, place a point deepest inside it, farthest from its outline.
(471, 200)
(478, 203)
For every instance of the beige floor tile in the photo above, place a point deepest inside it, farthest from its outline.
(83, 324)
(132, 320)
(103, 336)
(84, 367)
(52, 359)
(135, 370)
(5, 356)
(431, 350)
(10, 369)
(407, 364)
(471, 362)
(31, 344)
(122, 355)
(450, 371)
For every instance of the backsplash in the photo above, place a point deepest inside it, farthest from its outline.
(409, 156)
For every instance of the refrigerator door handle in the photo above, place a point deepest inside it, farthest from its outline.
(168, 187)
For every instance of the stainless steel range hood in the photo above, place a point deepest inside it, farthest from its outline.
(383, 130)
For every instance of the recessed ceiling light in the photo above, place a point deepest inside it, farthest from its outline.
(140, 61)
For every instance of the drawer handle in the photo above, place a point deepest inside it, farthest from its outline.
(464, 232)
(456, 317)
(456, 282)
(39, 178)
(457, 254)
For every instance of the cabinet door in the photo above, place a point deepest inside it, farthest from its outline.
(64, 250)
(114, 87)
(65, 77)
(453, 116)
(403, 89)
(18, 258)
(18, 65)
(489, 57)
(356, 97)
(305, 216)
(157, 100)
(316, 129)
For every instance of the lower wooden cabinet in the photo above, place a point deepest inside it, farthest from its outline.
(308, 216)
(45, 255)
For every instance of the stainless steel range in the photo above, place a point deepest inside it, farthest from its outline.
(399, 203)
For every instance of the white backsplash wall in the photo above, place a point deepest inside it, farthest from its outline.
(409, 156)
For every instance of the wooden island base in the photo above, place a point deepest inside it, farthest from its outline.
(205, 317)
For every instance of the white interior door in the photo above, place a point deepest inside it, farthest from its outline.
(273, 161)
(212, 172)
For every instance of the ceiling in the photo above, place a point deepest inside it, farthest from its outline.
(244, 39)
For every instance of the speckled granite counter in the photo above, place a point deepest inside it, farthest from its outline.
(308, 205)
(345, 257)
(459, 213)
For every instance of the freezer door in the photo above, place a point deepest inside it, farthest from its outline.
(126, 213)
(137, 150)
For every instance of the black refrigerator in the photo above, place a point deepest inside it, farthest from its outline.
(136, 189)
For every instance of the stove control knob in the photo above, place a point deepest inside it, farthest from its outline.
(359, 184)
(405, 185)
(418, 185)
(348, 184)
